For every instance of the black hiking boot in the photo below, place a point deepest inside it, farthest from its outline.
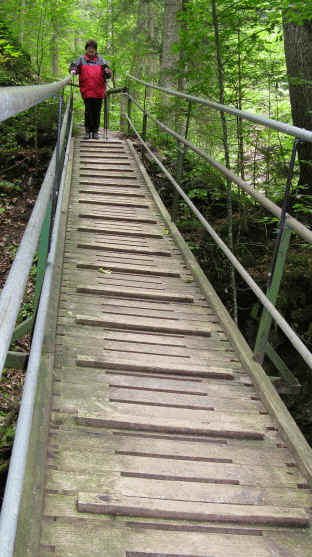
(95, 135)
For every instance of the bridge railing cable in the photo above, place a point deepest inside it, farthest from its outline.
(288, 221)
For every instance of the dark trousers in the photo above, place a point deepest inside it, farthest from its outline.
(92, 114)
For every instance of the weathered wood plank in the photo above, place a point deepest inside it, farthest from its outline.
(213, 428)
(154, 364)
(102, 246)
(130, 293)
(104, 216)
(137, 269)
(97, 228)
(246, 514)
(116, 200)
(153, 325)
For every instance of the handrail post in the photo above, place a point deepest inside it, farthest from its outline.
(57, 165)
(123, 105)
(144, 122)
(180, 162)
(129, 114)
(278, 263)
(105, 117)
(272, 294)
(43, 249)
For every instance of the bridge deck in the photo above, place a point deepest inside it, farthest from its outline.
(158, 443)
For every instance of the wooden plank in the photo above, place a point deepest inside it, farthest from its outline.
(109, 181)
(120, 174)
(239, 453)
(161, 309)
(101, 229)
(109, 190)
(143, 294)
(100, 158)
(213, 493)
(243, 514)
(107, 164)
(102, 246)
(213, 428)
(154, 364)
(137, 269)
(143, 323)
(137, 473)
(142, 538)
(181, 400)
(116, 217)
(115, 168)
(105, 189)
(117, 201)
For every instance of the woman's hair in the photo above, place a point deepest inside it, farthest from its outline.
(93, 44)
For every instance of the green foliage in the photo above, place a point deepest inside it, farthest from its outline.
(14, 62)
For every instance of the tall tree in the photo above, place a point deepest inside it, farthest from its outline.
(169, 55)
(298, 52)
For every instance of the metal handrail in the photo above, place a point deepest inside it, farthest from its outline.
(14, 483)
(288, 129)
(17, 99)
(293, 223)
(13, 291)
(294, 339)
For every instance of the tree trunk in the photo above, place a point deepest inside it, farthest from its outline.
(171, 31)
(54, 54)
(138, 59)
(22, 21)
(226, 154)
(298, 53)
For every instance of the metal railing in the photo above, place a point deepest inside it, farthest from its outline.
(13, 291)
(12, 294)
(287, 222)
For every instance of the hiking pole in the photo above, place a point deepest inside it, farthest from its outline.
(105, 118)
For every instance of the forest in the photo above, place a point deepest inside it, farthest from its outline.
(256, 57)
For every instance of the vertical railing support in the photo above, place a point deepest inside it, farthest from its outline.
(277, 268)
(272, 294)
(105, 117)
(129, 114)
(144, 123)
(57, 165)
(43, 250)
(180, 163)
(123, 109)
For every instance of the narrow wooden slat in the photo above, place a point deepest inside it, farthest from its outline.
(243, 514)
(96, 245)
(136, 323)
(143, 294)
(109, 190)
(121, 175)
(114, 201)
(109, 181)
(212, 428)
(153, 364)
(121, 232)
(117, 217)
(137, 269)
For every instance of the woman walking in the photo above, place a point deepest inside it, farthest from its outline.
(93, 72)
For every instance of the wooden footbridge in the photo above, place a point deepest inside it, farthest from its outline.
(154, 433)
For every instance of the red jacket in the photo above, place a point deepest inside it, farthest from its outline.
(92, 75)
